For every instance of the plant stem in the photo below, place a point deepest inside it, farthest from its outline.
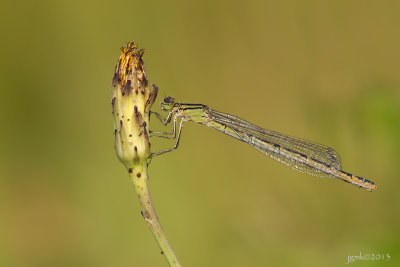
(140, 179)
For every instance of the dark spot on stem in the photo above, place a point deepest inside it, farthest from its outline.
(127, 87)
(115, 78)
(162, 252)
(145, 215)
(138, 115)
(138, 174)
(130, 135)
(130, 170)
(121, 123)
(135, 148)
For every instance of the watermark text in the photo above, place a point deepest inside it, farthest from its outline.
(368, 257)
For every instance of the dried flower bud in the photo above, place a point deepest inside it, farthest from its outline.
(131, 103)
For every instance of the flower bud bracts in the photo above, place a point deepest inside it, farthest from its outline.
(131, 103)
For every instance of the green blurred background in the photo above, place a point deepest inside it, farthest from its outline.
(327, 71)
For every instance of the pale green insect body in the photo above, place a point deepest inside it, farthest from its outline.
(299, 154)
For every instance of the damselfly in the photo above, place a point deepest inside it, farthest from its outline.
(301, 155)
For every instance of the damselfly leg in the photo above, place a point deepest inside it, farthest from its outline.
(172, 133)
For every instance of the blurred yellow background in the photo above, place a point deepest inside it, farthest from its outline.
(327, 71)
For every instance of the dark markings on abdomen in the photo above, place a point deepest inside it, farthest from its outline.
(298, 153)
(348, 174)
(320, 162)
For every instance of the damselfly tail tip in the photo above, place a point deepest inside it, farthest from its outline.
(358, 181)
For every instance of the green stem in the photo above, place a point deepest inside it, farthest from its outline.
(140, 179)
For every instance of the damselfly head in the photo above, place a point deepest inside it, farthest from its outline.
(168, 103)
